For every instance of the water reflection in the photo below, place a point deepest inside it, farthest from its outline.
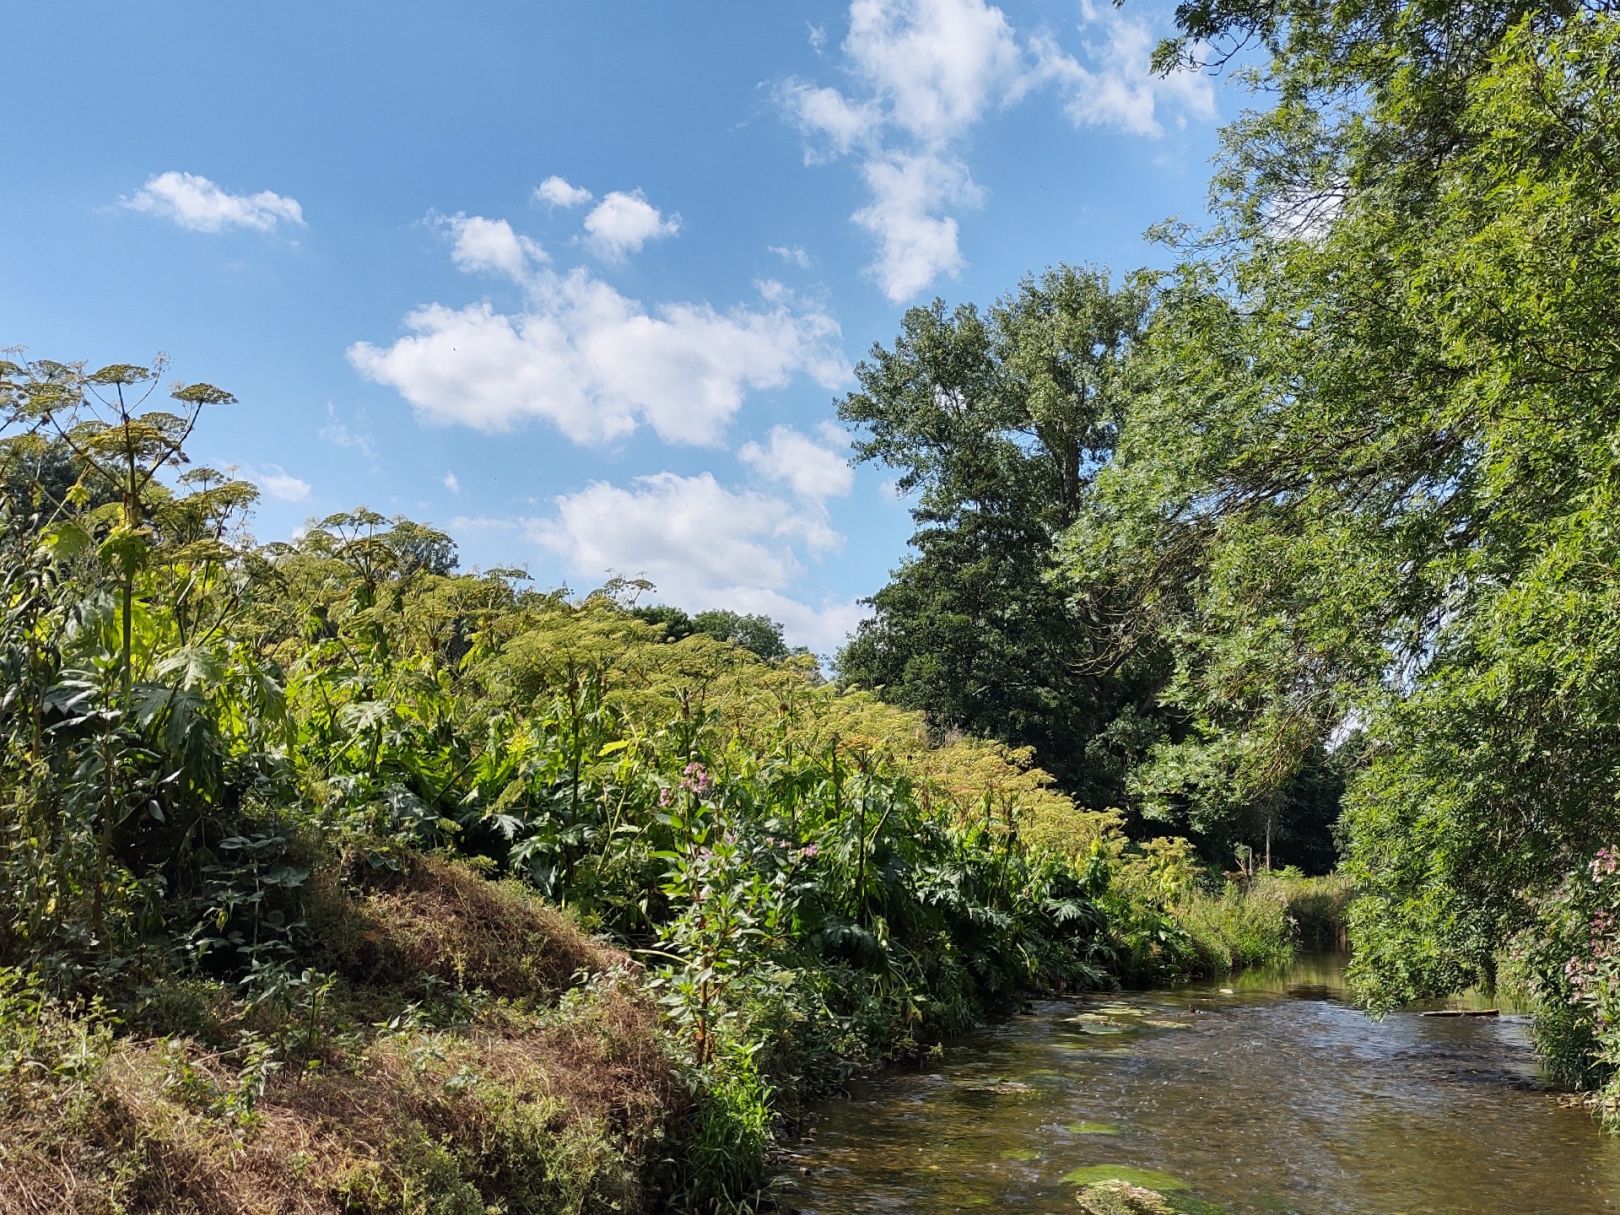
(1272, 1095)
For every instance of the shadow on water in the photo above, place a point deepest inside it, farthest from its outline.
(1265, 1093)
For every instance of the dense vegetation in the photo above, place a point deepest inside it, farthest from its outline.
(338, 880)
(1329, 506)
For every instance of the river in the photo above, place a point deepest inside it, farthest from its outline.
(1275, 1095)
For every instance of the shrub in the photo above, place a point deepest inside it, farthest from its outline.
(1568, 966)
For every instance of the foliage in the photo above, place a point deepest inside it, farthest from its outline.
(1359, 496)
(997, 423)
(235, 777)
(758, 634)
(1568, 966)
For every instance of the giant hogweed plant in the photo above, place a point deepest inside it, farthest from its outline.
(142, 728)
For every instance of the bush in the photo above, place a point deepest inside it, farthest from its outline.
(1568, 967)
(1244, 925)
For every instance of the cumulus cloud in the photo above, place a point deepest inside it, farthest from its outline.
(491, 245)
(815, 471)
(702, 544)
(622, 223)
(925, 73)
(1118, 89)
(916, 238)
(452, 482)
(937, 65)
(197, 204)
(687, 534)
(833, 122)
(593, 362)
(561, 193)
(823, 626)
(278, 483)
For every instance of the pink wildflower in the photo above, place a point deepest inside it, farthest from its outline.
(695, 778)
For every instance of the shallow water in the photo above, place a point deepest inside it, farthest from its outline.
(1278, 1097)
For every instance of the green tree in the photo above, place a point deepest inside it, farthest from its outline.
(752, 631)
(998, 422)
(1364, 484)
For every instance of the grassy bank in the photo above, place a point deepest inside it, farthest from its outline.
(469, 1049)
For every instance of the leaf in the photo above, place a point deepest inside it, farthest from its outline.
(65, 539)
(126, 550)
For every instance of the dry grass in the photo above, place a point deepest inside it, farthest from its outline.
(443, 918)
(527, 1103)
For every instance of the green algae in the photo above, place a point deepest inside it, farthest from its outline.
(1092, 1128)
(1147, 1179)
(1093, 1044)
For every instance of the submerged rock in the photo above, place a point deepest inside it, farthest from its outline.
(1117, 1196)
(1123, 1198)
(1097, 1174)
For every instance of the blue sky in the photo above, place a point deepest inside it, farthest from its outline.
(580, 284)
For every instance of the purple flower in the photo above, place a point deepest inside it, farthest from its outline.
(695, 778)
(665, 796)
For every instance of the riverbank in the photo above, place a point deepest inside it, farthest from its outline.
(466, 1046)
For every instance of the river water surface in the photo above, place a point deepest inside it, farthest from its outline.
(1275, 1096)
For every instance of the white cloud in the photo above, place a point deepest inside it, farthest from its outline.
(937, 64)
(687, 534)
(822, 627)
(916, 241)
(491, 245)
(827, 115)
(452, 482)
(622, 223)
(925, 73)
(796, 255)
(811, 470)
(818, 37)
(197, 204)
(1305, 214)
(703, 545)
(1119, 89)
(278, 482)
(560, 193)
(596, 363)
